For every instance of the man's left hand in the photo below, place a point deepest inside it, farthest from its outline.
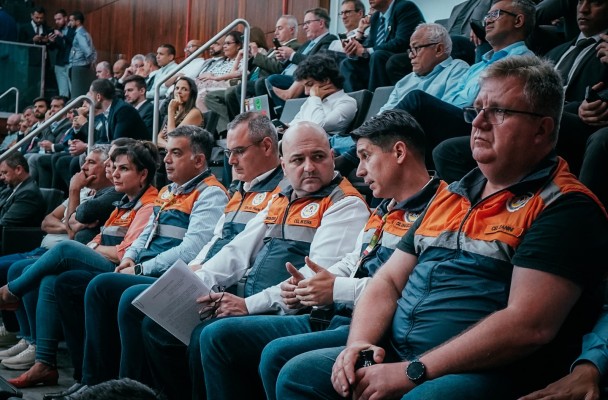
(581, 384)
(382, 381)
(353, 48)
(321, 91)
(229, 305)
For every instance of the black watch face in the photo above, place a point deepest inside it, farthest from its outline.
(415, 371)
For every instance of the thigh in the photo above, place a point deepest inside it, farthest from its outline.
(481, 386)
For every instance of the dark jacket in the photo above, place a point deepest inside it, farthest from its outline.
(405, 16)
(23, 207)
(124, 121)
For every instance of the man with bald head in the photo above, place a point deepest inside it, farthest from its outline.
(12, 130)
(312, 215)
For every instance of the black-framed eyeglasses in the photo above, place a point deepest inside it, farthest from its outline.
(494, 15)
(306, 23)
(413, 51)
(493, 115)
(228, 43)
(239, 151)
(208, 312)
(347, 12)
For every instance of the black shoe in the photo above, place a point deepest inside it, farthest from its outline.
(59, 395)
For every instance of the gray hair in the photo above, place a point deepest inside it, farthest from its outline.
(105, 65)
(527, 8)
(292, 22)
(258, 125)
(543, 89)
(436, 33)
(103, 149)
(138, 57)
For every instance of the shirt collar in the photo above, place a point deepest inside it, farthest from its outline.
(257, 179)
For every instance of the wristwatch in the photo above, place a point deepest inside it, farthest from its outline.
(365, 54)
(138, 269)
(92, 245)
(416, 372)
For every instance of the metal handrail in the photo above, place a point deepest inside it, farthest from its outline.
(195, 55)
(16, 97)
(54, 118)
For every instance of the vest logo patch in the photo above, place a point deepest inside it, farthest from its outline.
(309, 210)
(410, 217)
(259, 199)
(126, 215)
(518, 202)
(166, 194)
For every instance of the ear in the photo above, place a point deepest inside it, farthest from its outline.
(545, 129)
(439, 50)
(519, 20)
(400, 151)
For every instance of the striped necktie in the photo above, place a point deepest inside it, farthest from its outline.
(380, 33)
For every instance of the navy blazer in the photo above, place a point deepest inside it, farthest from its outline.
(321, 45)
(23, 207)
(588, 72)
(146, 114)
(405, 17)
(26, 32)
(124, 121)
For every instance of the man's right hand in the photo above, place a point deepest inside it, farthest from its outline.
(581, 384)
(289, 286)
(77, 147)
(80, 180)
(343, 371)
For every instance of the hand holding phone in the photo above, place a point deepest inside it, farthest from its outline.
(276, 43)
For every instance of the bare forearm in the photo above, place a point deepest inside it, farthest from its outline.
(108, 252)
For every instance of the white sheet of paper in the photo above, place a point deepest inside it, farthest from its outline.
(171, 300)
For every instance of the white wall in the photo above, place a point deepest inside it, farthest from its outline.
(432, 10)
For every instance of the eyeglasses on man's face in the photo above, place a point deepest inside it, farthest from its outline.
(494, 15)
(493, 115)
(413, 51)
(239, 151)
(209, 311)
(347, 12)
(310, 21)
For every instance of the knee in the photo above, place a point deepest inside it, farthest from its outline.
(97, 287)
(598, 140)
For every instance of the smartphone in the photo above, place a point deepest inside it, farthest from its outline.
(593, 95)
(366, 359)
(279, 124)
(276, 43)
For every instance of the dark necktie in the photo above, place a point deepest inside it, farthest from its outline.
(567, 62)
(380, 33)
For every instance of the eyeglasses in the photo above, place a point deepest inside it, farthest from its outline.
(228, 43)
(191, 46)
(306, 23)
(347, 12)
(208, 312)
(413, 51)
(239, 151)
(493, 115)
(494, 15)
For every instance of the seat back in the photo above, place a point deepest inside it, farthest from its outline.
(379, 99)
(291, 108)
(52, 198)
(363, 98)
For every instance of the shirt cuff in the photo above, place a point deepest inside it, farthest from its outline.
(345, 290)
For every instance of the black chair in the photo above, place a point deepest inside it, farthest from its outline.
(364, 99)
(379, 99)
(16, 239)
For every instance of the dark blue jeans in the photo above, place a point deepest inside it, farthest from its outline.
(281, 82)
(176, 368)
(26, 313)
(70, 288)
(102, 341)
(315, 381)
(8, 317)
(231, 350)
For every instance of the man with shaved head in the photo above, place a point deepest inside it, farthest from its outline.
(313, 215)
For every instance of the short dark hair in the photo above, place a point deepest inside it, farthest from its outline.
(391, 126)
(37, 99)
(151, 58)
(237, 36)
(15, 159)
(62, 12)
(62, 98)
(201, 141)
(119, 389)
(104, 87)
(123, 141)
(143, 154)
(140, 81)
(319, 67)
(39, 10)
(169, 47)
(320, 13)
(359, 6)
(78, 16)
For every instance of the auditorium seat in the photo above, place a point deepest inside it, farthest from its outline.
(379, 99)
(363, 98)
(291, 108)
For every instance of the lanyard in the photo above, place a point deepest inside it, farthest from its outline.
(155, 223)
(376, 239)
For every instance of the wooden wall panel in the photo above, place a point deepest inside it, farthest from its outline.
(129, 27)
